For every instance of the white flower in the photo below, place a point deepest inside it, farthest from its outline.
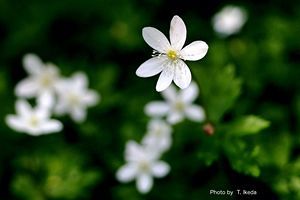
(74, 97)
(41, 81)
(141, 165)
(158, 136)
(34, 121)
(170, 55)
(229, 20)
(177, 106)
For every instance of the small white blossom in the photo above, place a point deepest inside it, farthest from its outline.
(42, 79)
(33, 121)
(158, 136)
(229, 20)
(169, 56)
(74, 97)
(177, 106)
(142, 165)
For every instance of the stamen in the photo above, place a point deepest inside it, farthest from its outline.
(73, 99)
(144, 166)
(46, 80)
(33, 121)
(156, 53)
(158, 131)
(172, 55)
(179, 106)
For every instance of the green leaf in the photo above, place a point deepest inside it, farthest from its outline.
(276, 149)
(45, 175)
(247, 125)
(219, 89)
(242, 156)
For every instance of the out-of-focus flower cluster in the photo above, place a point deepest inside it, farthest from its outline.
(53, 94)
(143, 159)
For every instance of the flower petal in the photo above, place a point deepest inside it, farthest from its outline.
(183, 75)
(46, 100)
(195, 113)
(23, 108)
(91, 98)
(189, 94)
(165, 143)
(157, 145)
(194, 51)
(165, 78)
(27, 88)
(133, 151)
(160, 169)
(32, 130)
(127, 172)
(14, 122)
(144, 183)
(51, 126)
(61, 85)
(158, 136)
(32, 64)
(80, 80)
(151, 67)
(175, 117)
(170, 93)
(42, 113)
(52, 69)
(177, 33)
(61, 107)
(158, 124)
(156, 109)
(156, 39)
(78, 114)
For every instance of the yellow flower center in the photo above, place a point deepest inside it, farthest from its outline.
(179, 106)
(144, 166)
(73, 99)
(158, 132)
(46, 80)
(34, 121)
(172, 54)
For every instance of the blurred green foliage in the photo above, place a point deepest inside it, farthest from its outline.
(65, 177)
(249, 87)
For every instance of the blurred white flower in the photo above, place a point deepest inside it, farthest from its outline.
(158, 136)
(142, 164)
(74, 97)
(169, 56)
(41, 81)
(33, 121)
(178, 105)
(229, 20)
(46, 100)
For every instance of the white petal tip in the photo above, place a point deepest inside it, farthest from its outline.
(159, 88)
(138, 73)
(145, 30)
(176, 16)
(182, 87)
